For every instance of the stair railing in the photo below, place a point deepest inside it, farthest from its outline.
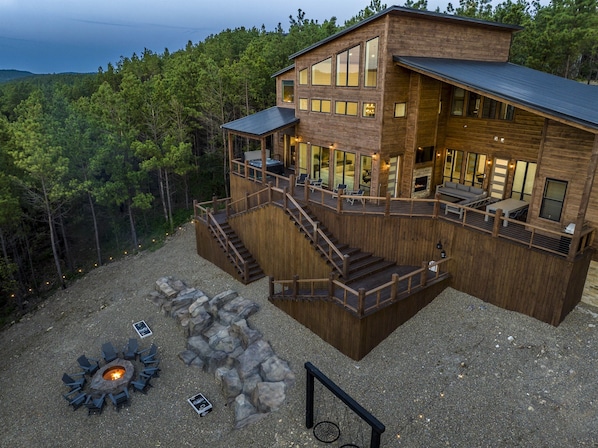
(229, 248)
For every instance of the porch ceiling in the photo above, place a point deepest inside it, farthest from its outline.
(551, 96)
(263, 123)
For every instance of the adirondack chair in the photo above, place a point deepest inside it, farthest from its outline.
(151, 370)
(148, 356)
(76, 398)
(95, 405)
(120, 399)
(89, 365)
(74, 383)
(142, 384)
(108, 352)
(130, 350)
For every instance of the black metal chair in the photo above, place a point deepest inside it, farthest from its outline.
(142, 384)
(95, 405)
(76, 398)
(86, 364)
(130, 351)
(108, 352)
(74, 383)
(150, 357)
(120, 399)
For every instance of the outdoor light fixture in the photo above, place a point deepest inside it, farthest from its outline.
(443, 254)
(439, 245)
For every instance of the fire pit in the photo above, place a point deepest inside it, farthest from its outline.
(112, 378)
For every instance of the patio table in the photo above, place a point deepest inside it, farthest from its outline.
(507, 206)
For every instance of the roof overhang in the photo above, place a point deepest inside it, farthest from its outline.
(263, 123)
(553, 97)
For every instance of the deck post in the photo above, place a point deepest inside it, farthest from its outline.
(424, 274)
(331, 285)
(346, 266)
(361, 302)
(215, 202)
(339, 200)
(292, 184)
(387, 205)
(436, 206)
(395, 286)
(271, 286)
(269, 192)
(497, 222)
(246, 201)
(285, 200)
(295, 286)
(306, 191)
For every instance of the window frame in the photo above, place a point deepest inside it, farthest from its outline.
(347, 64)
(544, 214)
(316, 78)
(371, 69)
(397, 113)
(321, 105)
(346, 105)
(365, 114)
(285, 84)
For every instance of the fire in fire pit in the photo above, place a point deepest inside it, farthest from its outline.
(114, 373)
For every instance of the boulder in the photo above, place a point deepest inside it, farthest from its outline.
(268, 397)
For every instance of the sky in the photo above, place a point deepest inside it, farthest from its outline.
(57, 36)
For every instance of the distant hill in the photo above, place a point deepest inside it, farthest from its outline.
(9, 75)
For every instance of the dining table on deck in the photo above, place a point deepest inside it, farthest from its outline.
(507, 206)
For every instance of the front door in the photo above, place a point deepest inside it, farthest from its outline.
(498, 181)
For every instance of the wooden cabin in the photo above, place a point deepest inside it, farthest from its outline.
(395, 107)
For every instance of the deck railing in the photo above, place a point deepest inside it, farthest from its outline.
(359, 302)
(530, 235)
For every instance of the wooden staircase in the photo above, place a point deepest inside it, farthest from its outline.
(251, 270)
(361, 264)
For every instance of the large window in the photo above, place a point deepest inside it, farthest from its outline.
(371, 63)
(303, 104)
(347, 67)
(320, 105)
(469, 104)
(474, 169)
(321, 73)
(458, 101)
(523, 181)
(345, 108)
(344, 171)
(452, 165)
(365, 180)
(320, 163)
(288, 91)
(553, 199)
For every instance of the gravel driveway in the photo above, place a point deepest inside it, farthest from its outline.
(461, 373)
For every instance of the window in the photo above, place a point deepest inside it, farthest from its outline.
(371, 63)
(473, 104)
(553, 199)
(369, 110)
(506, 112)
(400, 110)
(366, 174)
(452, 165)
(345, 108)
(288, 91)
(523, 181)
(489, 108)
(303, 104)
(303, 77)
(320, 106)
(344, 170)
(424, 154)
(320, 163)
(303, 158)
(458, 101)
(347, 67)
(474, 169)
(321, 73)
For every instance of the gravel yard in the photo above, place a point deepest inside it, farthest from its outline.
(462, 373)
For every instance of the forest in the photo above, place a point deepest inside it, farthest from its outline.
(95, 167)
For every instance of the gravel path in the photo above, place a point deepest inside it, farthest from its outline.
(461, 373)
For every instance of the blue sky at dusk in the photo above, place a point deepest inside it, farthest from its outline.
(55, 36)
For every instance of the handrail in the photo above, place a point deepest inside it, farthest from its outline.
(230, 249)
(354, 300)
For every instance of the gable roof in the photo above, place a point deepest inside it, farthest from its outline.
(264, 122)
(401, 10)
(549, 95)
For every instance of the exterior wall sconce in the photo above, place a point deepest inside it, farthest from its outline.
(489, 162)
(499, 139)
(375, 156)
(439, 245)
(512, 165)
(438, 154)
(442, 253)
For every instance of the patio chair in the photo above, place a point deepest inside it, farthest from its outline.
(151, 370)
(302, 179)
(120, 399)
(142, 384)
(315, 183)
(108, 352)
(95, 405)
(356, 195)
(130, 350)
(338, 188)
(74, 383)
(86, 364)
(150, 356)
(76, 398)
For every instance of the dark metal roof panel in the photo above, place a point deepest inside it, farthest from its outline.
(284, 70)
(264, 122)
(409, 11)
(552, 95)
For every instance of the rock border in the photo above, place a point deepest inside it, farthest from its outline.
(221, 342)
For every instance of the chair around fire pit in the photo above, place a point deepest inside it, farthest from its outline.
(74, 383)
(150, 357)
(151, 370)
(76, 398)
(130, 351)
(120, 399)
(86, 364)
(95, 405)
(108, 352)
(142, 384)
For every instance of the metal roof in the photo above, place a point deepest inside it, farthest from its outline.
(401, 10)
(547, 94)
(264, 122)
